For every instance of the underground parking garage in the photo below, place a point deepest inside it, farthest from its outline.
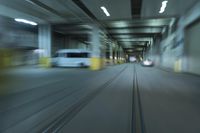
(89, 66)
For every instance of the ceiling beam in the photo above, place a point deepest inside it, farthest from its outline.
(138, 23)
(82, 6)
(130, 36)
(137, 30)
(135, 40)
(47, 8)
(136, 6)
(74, 32)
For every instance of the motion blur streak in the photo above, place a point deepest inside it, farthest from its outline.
(99, 66)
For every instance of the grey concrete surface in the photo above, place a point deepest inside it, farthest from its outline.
(83, 101)
(170, 101)
(32, 106)
(110, 111)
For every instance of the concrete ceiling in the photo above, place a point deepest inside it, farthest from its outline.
(44, 11)
(132, 22)
(133, 33)
(119, 9)
(175, 8)
(67, 11)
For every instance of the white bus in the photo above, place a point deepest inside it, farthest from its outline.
(71, 58)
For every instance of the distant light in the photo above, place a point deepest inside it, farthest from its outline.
(105, 11)
(132, 59)
(25, 21)
(163, 7)
(39, 51)
(146, 62)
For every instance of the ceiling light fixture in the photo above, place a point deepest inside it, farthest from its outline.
(163, 7)
(105, 11)
(25, 21)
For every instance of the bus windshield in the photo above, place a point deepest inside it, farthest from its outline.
(77, 55)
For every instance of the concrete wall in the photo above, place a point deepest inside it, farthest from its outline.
(58, 42)
(17, 42)
(154, 52)
(192, 48)
(13, 34)
(61, 41)
(173, 48)
(170, 51)
(71, 43)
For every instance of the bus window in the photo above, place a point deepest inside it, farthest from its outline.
(62, 55)
(55, 55)
(77, 55)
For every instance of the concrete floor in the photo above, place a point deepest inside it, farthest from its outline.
(82, 101)
(170, 101)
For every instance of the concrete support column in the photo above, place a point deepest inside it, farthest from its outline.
(121, 54)
(150, 50)
(116, 54)
(111, 52)
(45, 44)
(117, 51)
(96, 48)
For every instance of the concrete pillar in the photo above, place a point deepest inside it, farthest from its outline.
(111, 52)
(115, 52)
(45, 44)
(121, 54)
(96, 48)
(150, 50)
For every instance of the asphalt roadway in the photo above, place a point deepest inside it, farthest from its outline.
(124, 98)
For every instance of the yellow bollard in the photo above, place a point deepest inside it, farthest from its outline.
(96, 63)
(45, 62)
(177, 66)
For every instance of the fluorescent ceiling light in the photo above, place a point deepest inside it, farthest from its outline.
(163, 7)
(25, 21)
(105, 11)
